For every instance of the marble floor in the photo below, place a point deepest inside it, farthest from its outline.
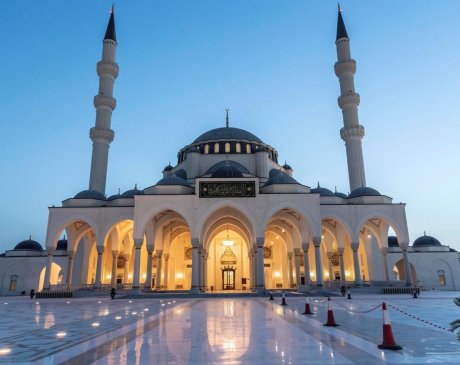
(226, 331)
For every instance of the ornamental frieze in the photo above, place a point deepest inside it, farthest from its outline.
(230, 189)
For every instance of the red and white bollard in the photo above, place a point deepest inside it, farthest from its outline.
(388, 342)
(330, 315)
(283, 301)
(307, 306)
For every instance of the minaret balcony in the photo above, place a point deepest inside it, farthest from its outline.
(107, 69)
(347, 66)
(105, 101)
(104, 134)
(352, 132)
(350, 100)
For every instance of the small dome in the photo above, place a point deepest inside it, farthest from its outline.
(172, 180)
(114, 197)
(168, 168)
(280, 178)
(235, 164)
(227, 133)
(273, 172)
(62, 244)
(90, 194)
(29, 244)
(364, 191)
(393, 241)
(341, 195)
(227, 171)
(286, 166)
(181, 173)
(322, 191)
(426, 241)
(132, 192)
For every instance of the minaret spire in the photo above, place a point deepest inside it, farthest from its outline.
(352, 132)
(105, 103)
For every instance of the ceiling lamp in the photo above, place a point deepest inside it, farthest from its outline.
(227, 241)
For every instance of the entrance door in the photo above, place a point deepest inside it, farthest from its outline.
(228, 279)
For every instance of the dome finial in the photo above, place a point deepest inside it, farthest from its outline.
(135, 186)
(318, 185)
(30, 237)
(424, 233)
(227, 120)
(118, 191)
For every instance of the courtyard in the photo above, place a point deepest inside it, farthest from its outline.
(226, 330)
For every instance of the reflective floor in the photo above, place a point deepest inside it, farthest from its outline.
(226, 331)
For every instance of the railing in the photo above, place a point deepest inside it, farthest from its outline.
(54, 294)
(406, 290)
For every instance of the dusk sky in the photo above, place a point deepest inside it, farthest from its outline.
(271, 62)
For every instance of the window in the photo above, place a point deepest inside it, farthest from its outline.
(13, 282)
(206, 149)
(216, 147)
(248, 148)
(442, 277)
(238, 148)
(227, 147)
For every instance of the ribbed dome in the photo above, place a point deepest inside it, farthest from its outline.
(62, 245)
(227, 171)
(234, 164)
(29, 244)
(132, 192)
(280, 178)
(364, 191)
(426, 241)
(114, 197)
(172, 180)
(322, 191)
(393, 241)
(227, 133)
(90, 194)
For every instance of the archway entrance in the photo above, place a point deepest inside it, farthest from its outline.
(227, 264)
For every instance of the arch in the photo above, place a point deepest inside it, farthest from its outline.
(401, 270)
(54, 233)
(55, 270)
(217, 225)
(401, 233)
(343, 223)
(449, 269)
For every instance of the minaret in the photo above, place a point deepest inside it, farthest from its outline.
(352, 132)
(104, 102)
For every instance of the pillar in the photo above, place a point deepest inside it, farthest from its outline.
(290, 276)
(148, 278)
(113, 281)
(195, 289)
(329, 266)
(318, 261)
(99, 267)
(409, 281)
(166, 278)
(342, 265)
(260, 265)
(126, 272)
(306, 263)
(137, 263)
(297, 267)
(70, 256)
(385, 263)
(357, 270)
(159, 267)
(49, 265)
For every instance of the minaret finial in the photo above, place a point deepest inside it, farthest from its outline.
(227, 119)
(341, 30)
(110, 32)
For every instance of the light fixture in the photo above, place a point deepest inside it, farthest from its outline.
(227, 242)
(109, 276)
(144, 275)
(129, 276)
(347, 273)
(179, 275)
(95, 324)
(283, 230)
(277, 274)
(369, 236)
(5, 351)
(61, 334)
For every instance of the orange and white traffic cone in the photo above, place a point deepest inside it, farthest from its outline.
(307, 306)
(283, 301)
(330, 315)
(388, 342)
(271, 297)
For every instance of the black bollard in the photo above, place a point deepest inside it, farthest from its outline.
(32, 293)
(271, 297)
(113, 293)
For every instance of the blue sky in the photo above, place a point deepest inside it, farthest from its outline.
(271, 62)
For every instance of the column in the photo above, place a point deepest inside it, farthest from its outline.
(306, 263)
(70, 255)
(126, 272)
(297, 267)
(148, 278)
(159, 262)
(254, 267)
(329, 265)
(200, 274)
(318, 261)
(113, 281)
(195, 266)
(409, 281)
(98, 280)
(354, 247)
(260, 265)
(342, 265)
(384, 251)
(49, 265)
(137, 263)
(166, 256)
(291, 279)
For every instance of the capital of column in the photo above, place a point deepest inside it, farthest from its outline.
(305, 246)
(150, 249)
(114, 253)
(341, 250)
(316, 241)
(404, 245)
(100, 250)
(290, 255)
(70, 254)
(296, 251)
(260, 242)
(329, 255)
(166, 256)
(355, 246)
(159, 253)
(50, 251)
(138, 242)
(195, 242)
(384, 250)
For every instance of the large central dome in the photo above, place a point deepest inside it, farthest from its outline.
(227, 133)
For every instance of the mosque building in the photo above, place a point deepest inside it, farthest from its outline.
(227, 216)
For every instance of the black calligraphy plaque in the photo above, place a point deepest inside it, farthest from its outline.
(227, 189)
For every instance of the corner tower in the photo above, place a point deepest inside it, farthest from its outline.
(105, 103)
(352, 132)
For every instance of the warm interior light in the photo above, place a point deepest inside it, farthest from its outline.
(312, 273)
(369, 236)
(61, 334)
(144, 275)
(277, 274)
(109, 276)
(129, 276)
(179, 275)
(326, 274)
(347, 273)
(227, 241)
(5, 351)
